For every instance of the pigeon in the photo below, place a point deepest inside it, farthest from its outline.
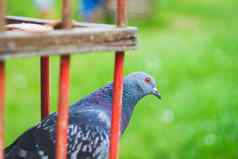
(89, 123)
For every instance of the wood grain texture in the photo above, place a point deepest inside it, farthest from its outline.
(16, 19)
(77, 40)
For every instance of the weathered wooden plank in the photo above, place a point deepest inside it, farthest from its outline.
(77, 40)
(16, 19)
(29, 27)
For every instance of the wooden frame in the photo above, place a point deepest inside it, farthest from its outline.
(84, 37)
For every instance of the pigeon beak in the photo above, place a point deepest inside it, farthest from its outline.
(156, 93)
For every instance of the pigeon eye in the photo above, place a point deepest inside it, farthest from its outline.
(148, 80)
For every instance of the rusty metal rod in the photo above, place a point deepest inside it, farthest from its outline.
(63, 103)
(66, 14)
(63, 98)
(45, 87)
(116, 106)
(2, 82)
(121, 21)
(2, 98)
(2, 15)
(121, 18)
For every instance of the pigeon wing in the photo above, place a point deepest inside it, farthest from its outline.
(87, 138)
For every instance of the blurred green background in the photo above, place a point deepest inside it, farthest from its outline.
(189, 46)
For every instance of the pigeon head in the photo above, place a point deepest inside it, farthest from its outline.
(142, 84)
(136, 86)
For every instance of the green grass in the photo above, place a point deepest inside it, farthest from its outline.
(190, 47)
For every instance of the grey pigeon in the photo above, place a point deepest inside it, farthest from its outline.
(89, 123)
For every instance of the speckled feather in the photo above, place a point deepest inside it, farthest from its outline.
(89, 124)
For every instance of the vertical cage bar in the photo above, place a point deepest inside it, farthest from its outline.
(116, 106)
(2, 96)
(121, 21)
(2, 82)
(63, 103)
(121, 18)
(66, 14)
(45, 87)
(63, 99)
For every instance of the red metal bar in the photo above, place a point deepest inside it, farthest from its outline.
(121, 13)
(63, 99)
(45, 86)
(63, 103)
(116, 106)
(117, 87)
(66, 14)
(2, 98)
(2, 83)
